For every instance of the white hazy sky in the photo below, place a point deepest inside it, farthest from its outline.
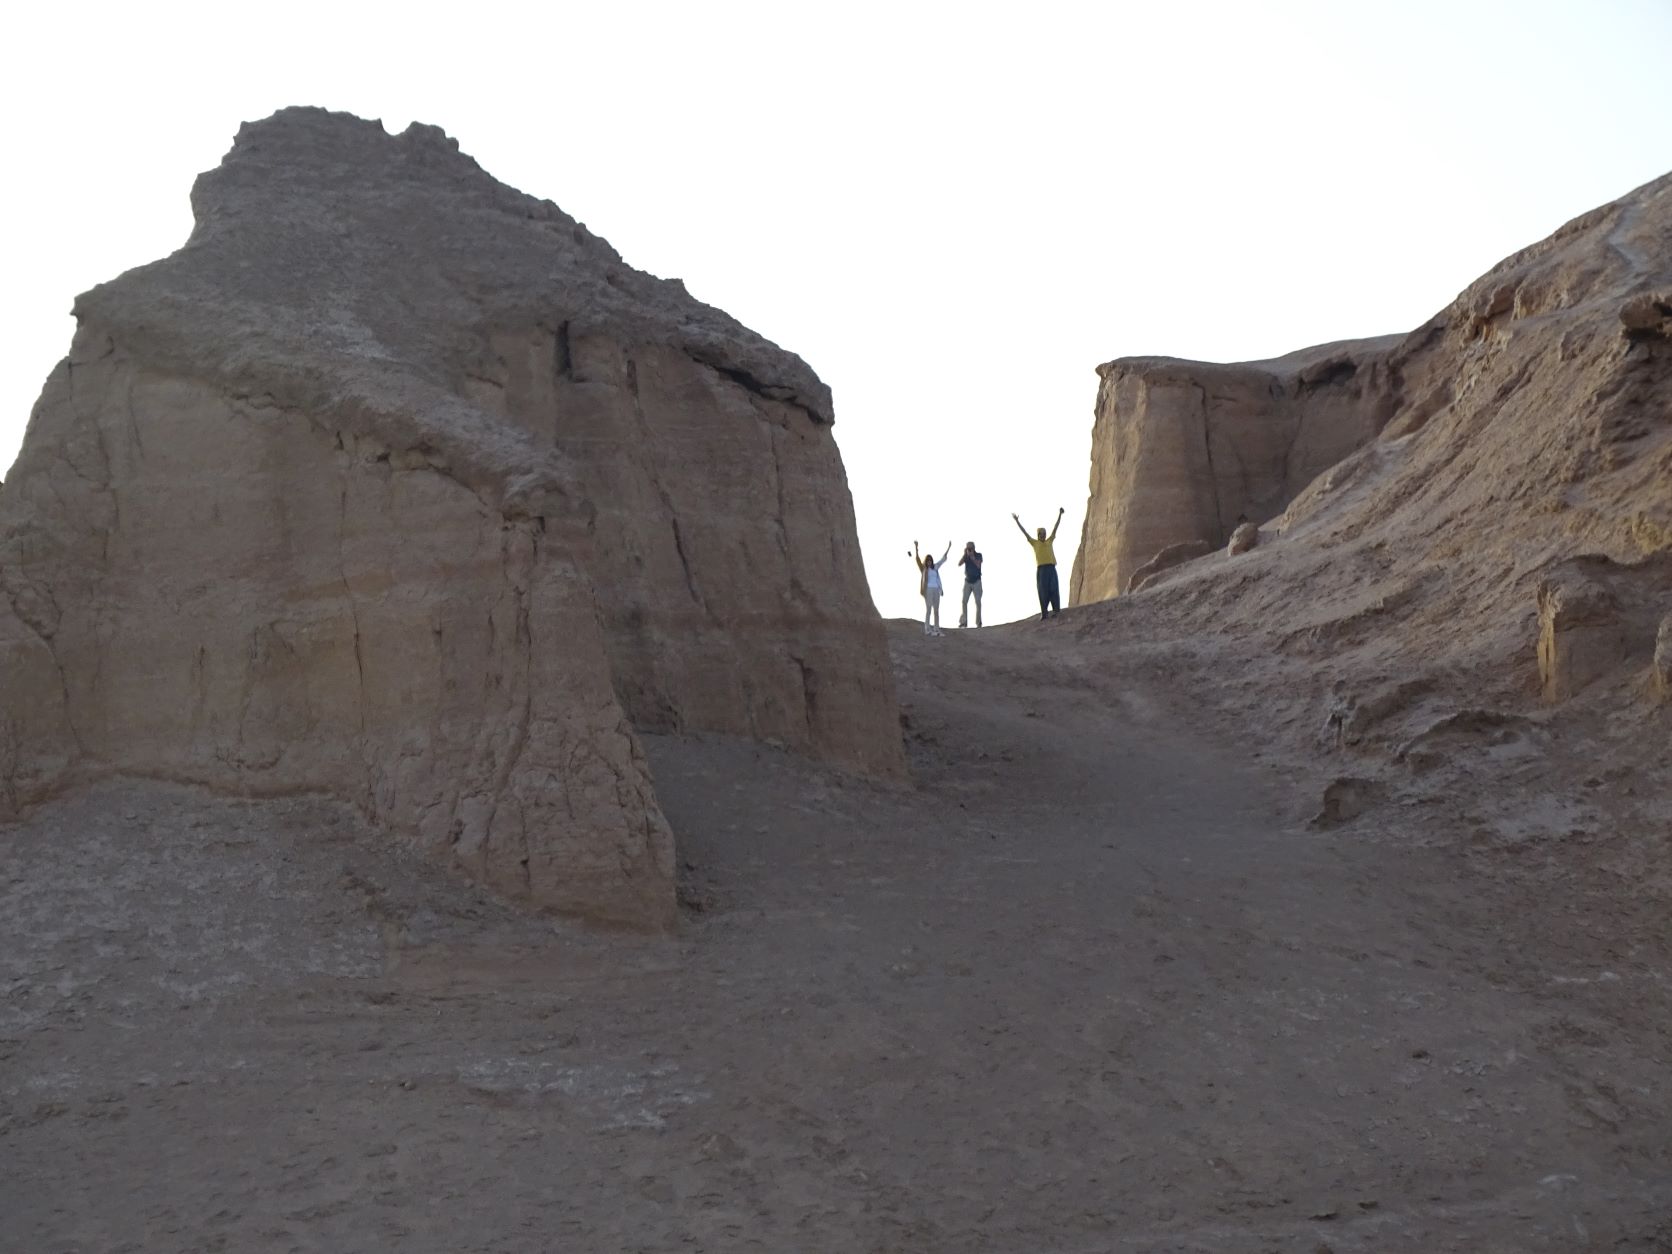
(952, 211)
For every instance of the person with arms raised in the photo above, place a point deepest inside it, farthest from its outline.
(929, 586)
(1045, 559)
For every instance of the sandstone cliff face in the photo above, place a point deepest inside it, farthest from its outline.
(722, 538)
(1504, 543)
(1534, 405)
(1181, 449)
(399, 484)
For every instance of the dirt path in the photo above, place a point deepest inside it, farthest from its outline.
(1089, 988)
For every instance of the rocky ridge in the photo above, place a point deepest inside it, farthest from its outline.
(1182, 450)
(1467, 612)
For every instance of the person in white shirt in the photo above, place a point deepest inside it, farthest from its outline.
(929, 585)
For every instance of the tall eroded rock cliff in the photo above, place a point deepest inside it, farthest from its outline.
(1182, 449)
(1536, 397)
(399, 484)
(1503, 544)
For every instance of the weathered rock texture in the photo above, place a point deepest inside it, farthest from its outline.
(1181, 449)
(398, 484)
(1506, 537)
(1597, 618)
(1536, 404)
(1170, 558)
(1244, 537)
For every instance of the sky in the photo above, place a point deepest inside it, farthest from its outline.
(953, 212)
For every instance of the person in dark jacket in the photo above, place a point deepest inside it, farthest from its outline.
(971, 562)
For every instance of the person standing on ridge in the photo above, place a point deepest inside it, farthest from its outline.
(929, 586)
(1050, 599)
(971, 562)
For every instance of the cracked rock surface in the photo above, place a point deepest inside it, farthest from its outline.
(1182, 449)
(399, 485)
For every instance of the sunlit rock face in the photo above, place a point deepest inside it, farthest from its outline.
(1182, 451)
(1524, 424)
(398, 484)
(1504, 536)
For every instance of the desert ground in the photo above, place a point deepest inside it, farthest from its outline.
(1092, 982)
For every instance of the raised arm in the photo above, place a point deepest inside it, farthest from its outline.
(1056, 524)
(1020, 528)
(946, 554)
(916, 556)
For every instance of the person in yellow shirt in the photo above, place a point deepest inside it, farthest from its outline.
(1045, 558)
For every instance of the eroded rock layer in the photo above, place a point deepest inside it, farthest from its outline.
(1181, 450)
(1526, 423)
(398, 484)
(1502, 550)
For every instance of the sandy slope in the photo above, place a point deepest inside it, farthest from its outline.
(1093, 986)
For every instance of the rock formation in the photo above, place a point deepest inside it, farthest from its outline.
(1597, 618)
(1580, 635)
(1507, 534)
(1180, 449)
(1244, 537)
(1174, 555)
(398, 484)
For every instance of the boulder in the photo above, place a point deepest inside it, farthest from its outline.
(1244, 538)
(1345, 798)
(1169, 557)
(397, 484)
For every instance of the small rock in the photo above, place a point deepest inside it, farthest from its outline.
(718, 1147)
(1345, 798)
(1165, 560)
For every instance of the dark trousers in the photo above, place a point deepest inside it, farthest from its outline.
(1048, 594)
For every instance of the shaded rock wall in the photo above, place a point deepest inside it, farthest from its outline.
(1598, 618)
(398, 484)
(223, 593)
(723, 540)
